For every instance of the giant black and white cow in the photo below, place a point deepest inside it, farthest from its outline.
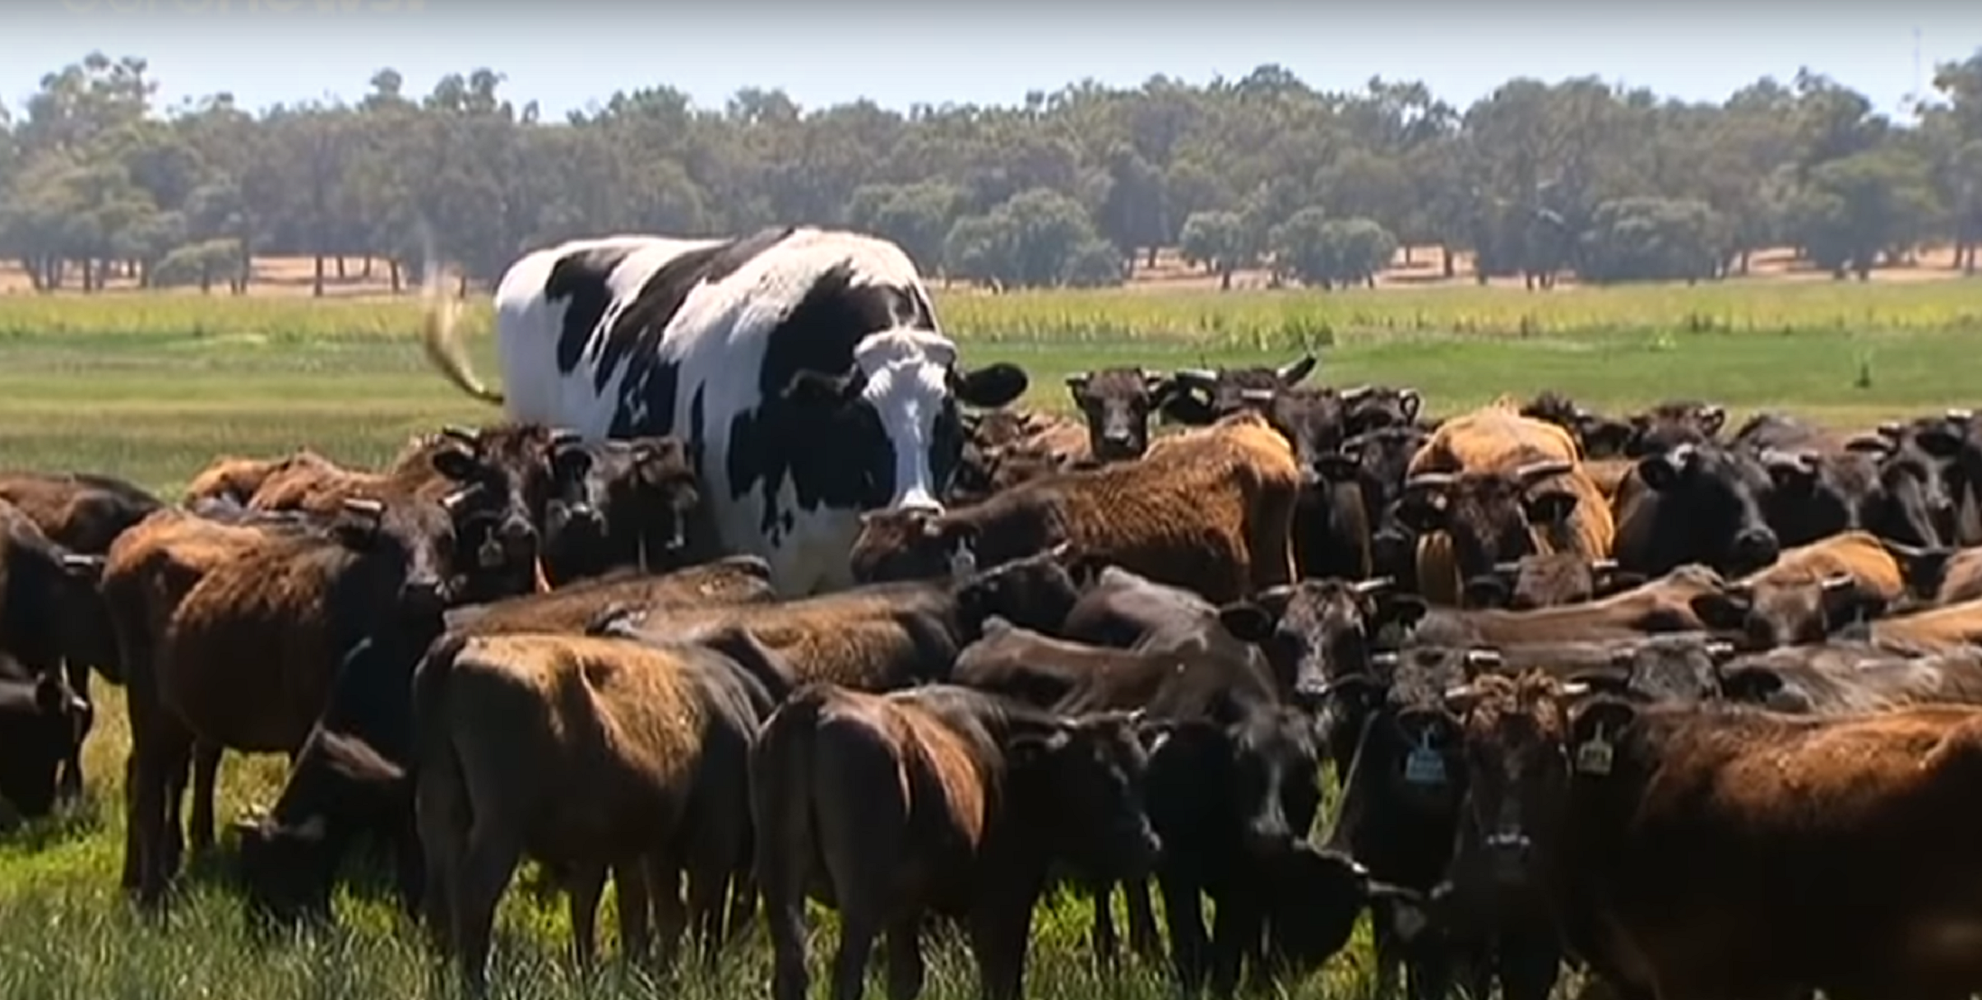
(804, 367)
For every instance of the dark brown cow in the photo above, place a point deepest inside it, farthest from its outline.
(350, 778)
(1548, 580)
(299, 602)
(1841, 678)
(1696, 504)
(42, 725)
(1205, 396)
(621, 503)
(590, 753)
(1210, 509)
(937, 800)
(1813, 589)
(1117, 403)
(1003, 449)
(1672, 840)
(1381, 458)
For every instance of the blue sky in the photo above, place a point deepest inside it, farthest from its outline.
(564, 53)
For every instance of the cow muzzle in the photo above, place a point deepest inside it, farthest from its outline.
(423, 596)
(1756, 547)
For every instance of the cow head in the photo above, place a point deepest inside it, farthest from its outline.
(619, 503)
(1919, 478)
(913, 543)
(1092, 770)
(1117, 404)
(53, 610)
(1598, 436)
(407, 549)
(1205, 396)
(1315, 631)
(1367, 408)
(1035, 592)
(1406, 748)
(1548, 580)
(1678, 668)
(1488, 514)
(42, 723)
(1380, 459)
(1711, 503)
(1790, 612)
(1260, 765)
(888, 434)
(509, 468)
(1673, 423)
(1517, 735)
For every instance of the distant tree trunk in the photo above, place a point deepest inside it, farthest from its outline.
(1450, 267)
(316, 279)
(366, 272)
(341, 276)
(1152, 257)
(398, 283)
(1224, 279)
(89, 275)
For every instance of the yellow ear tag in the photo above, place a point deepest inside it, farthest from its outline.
(1594, 756)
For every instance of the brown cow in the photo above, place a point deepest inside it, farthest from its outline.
(298, 602)
(1005, 448)
(235, 479)
(934, 800)
(1210, 509)
(1548, 580)
(1677, 842)
(1492, 485)
(591, 754)
(1840, 678)
(1812, 589)
(1116, 404)
(1933, 629)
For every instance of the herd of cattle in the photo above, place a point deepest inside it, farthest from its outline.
(1689, 707)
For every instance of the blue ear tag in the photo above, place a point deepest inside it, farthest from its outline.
(1424, 765)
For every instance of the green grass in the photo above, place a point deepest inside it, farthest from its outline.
(153, 387)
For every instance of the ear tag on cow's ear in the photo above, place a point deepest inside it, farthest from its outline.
(1424, 765)
(1594, 756)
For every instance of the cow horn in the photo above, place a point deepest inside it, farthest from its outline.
(1387, 658)
(1575, 688)
(1511, 568)
(1257, 395)
(1720, 650)
(1460, 692)
(1196, 376)
(1431, 481)
(1603, 565)
(565, 436)
(1890, 429)
(1838, 581)
(1373, 585)
(1960, 415)
(452, 502)
(1535, 472)
(1484, 659)
(465, 435)
(1353, 393)
(364, 505)
(1079, 379)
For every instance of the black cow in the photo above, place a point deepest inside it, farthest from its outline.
(42, 725)
(619, 504)
(1696, 504)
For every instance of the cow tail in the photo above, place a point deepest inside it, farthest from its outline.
(440, 335)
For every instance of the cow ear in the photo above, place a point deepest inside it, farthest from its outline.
(1247, 621)
(1750, 683)
(1188, 404)
(1404, 609)
(1034, 746)
(1486, 590)
(83, 568)
(1423, 511)
(1660, 472)
(357, 524)
(1726, 611)
(1335, 467)
(1712, 419)
(1293, 372)
(1550, 507)
(991, 386)
(454, 463)
(1940, 442)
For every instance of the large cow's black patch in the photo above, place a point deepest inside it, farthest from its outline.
(582, 277)
(836, 456)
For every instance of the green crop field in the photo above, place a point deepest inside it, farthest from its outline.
(153, 386)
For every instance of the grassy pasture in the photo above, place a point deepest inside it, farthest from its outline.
(152, 387)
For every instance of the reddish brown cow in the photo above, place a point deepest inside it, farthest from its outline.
(936, 800)
(1677, 843)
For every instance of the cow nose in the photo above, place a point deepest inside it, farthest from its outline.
(1116, 435)
(422, 595)
(1757, 546)
(581, 511)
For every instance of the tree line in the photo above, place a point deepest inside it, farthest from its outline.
(1073, 188)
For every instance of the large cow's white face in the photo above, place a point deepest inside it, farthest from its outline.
(909, 379)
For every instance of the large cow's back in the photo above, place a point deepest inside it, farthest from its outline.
(641, 335)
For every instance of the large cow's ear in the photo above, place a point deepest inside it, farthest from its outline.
(991, 386)
(455, 463)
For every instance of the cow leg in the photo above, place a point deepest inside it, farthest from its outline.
(493, 853)
(1143, 939)
(206, 768)
(164, 755)
(69, 783)
(1529, 963)
(1235, 932)
(859, 926)
(998, 938)
(441, 819)
(905, 968)
(742, 903)
(633, 900)
(1389, 951)
(708, 887)
(409, 866)
(670, 916)
(582, 889)
(1184, 912)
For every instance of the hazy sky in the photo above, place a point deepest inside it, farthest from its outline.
(565, 53)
